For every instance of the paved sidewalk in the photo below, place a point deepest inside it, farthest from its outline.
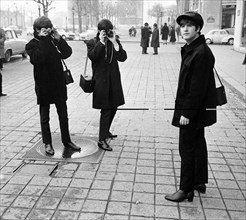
(130, 182)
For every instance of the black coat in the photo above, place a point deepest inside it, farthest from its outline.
(164, 32)
(108, 92)
(155, 42)
(145, 35)
(196, 87)
(50, 83)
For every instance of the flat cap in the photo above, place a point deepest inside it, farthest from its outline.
(191, 15)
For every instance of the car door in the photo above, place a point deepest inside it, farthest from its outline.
(223, 34)
(10, 43)
(216, 37)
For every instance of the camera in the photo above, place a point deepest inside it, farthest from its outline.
(109, 33)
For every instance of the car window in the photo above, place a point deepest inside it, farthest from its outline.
(222, 33)
(216, 32)
(9, 35)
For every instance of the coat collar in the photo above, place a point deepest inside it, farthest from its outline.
(187, 48)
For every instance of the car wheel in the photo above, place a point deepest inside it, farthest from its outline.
(231, 41)
(208, 41)
(7, 55)
(24, 55)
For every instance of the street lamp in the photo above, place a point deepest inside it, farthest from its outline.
(39, 11)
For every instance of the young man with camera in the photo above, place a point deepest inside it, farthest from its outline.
(105, 51)
(46, 50)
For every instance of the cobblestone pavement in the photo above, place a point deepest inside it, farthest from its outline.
(130, 182)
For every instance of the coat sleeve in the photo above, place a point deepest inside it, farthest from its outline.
(64, 48)
(197, 87)
(121, 54)
(95, 50)
(37, 50)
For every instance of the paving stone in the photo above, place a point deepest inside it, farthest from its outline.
(124, 177)
(118, 208)
(53, 191)
(40, 214)
(101, 184)
(94, 206)
(143, 210)
(78, 193)
(91, 216)
(107, 168)
(25, 201)
(145, 170)
(61, 182)
(105, 175)
(115, 217)
(235, 205)
(121, 196)
(228, 184)
(84, 174)
(213, 203)
(65, 173)
(71, 204)
(98, 194)
(126, 168)
(191, 213)
(237, 215)
(15, 213)
(47, 203)
(216, 213)
(127, 161)
(65, 215)
(123, 186)
(6, 200)
(145, 198)
(231, 194)
(144, 187)
(12, 189)
(140, 178)
(42, 181)
(83, 183)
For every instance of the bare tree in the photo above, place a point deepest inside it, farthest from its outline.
(46, 5)
(156, 11)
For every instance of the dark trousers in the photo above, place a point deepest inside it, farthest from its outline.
(144, 50)
(1, 81)
(107, 116)
(194, 158)
(1, 63)
(155, 50)
(44, 111)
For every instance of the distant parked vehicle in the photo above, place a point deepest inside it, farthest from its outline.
(89, 34)
(219, 36)
(16, 29)
(13, 45)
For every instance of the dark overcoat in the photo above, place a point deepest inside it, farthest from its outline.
(145, 35)
(172, 35)
(196, 93)
(2, 40)
(164, 32)
(155, 41)
(49, 79)
(108, 92)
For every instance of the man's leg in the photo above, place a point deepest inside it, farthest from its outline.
(61, 108)
(44, 111)
(104, 124)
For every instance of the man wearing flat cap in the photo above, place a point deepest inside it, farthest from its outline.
(46, 51)
(195, 107)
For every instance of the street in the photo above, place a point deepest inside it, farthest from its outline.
(131, 181)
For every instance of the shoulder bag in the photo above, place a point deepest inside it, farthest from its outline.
(67, 74)
(86, 81)
(220, 92)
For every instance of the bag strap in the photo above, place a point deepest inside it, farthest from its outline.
(86, 61)
(64, 64)
(218, 76)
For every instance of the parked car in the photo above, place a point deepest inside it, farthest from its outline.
(16, 29)
(13, 45)
(62, 32)
(219, 36)
(70, 36)
(89, 34)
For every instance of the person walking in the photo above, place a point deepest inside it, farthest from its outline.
(46, 50)
(105, 51)
(195, 107)
(177, 29)
(155, 42)
(172, 35)
(164, 33)
(145, 35)
(2, 40)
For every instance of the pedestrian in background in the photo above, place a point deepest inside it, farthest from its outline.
(155, 42)
(2, 40)
(105, 51)
(177, 29)
(164, 33)
(145, 36)
(172, 35)
(195, 107)
(46, 50)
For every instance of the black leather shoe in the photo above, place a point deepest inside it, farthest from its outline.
(201, 188)
(104, 145)
(49, 149)
(72, 146)
(180, 196)
(112, 135)
(2, 94)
